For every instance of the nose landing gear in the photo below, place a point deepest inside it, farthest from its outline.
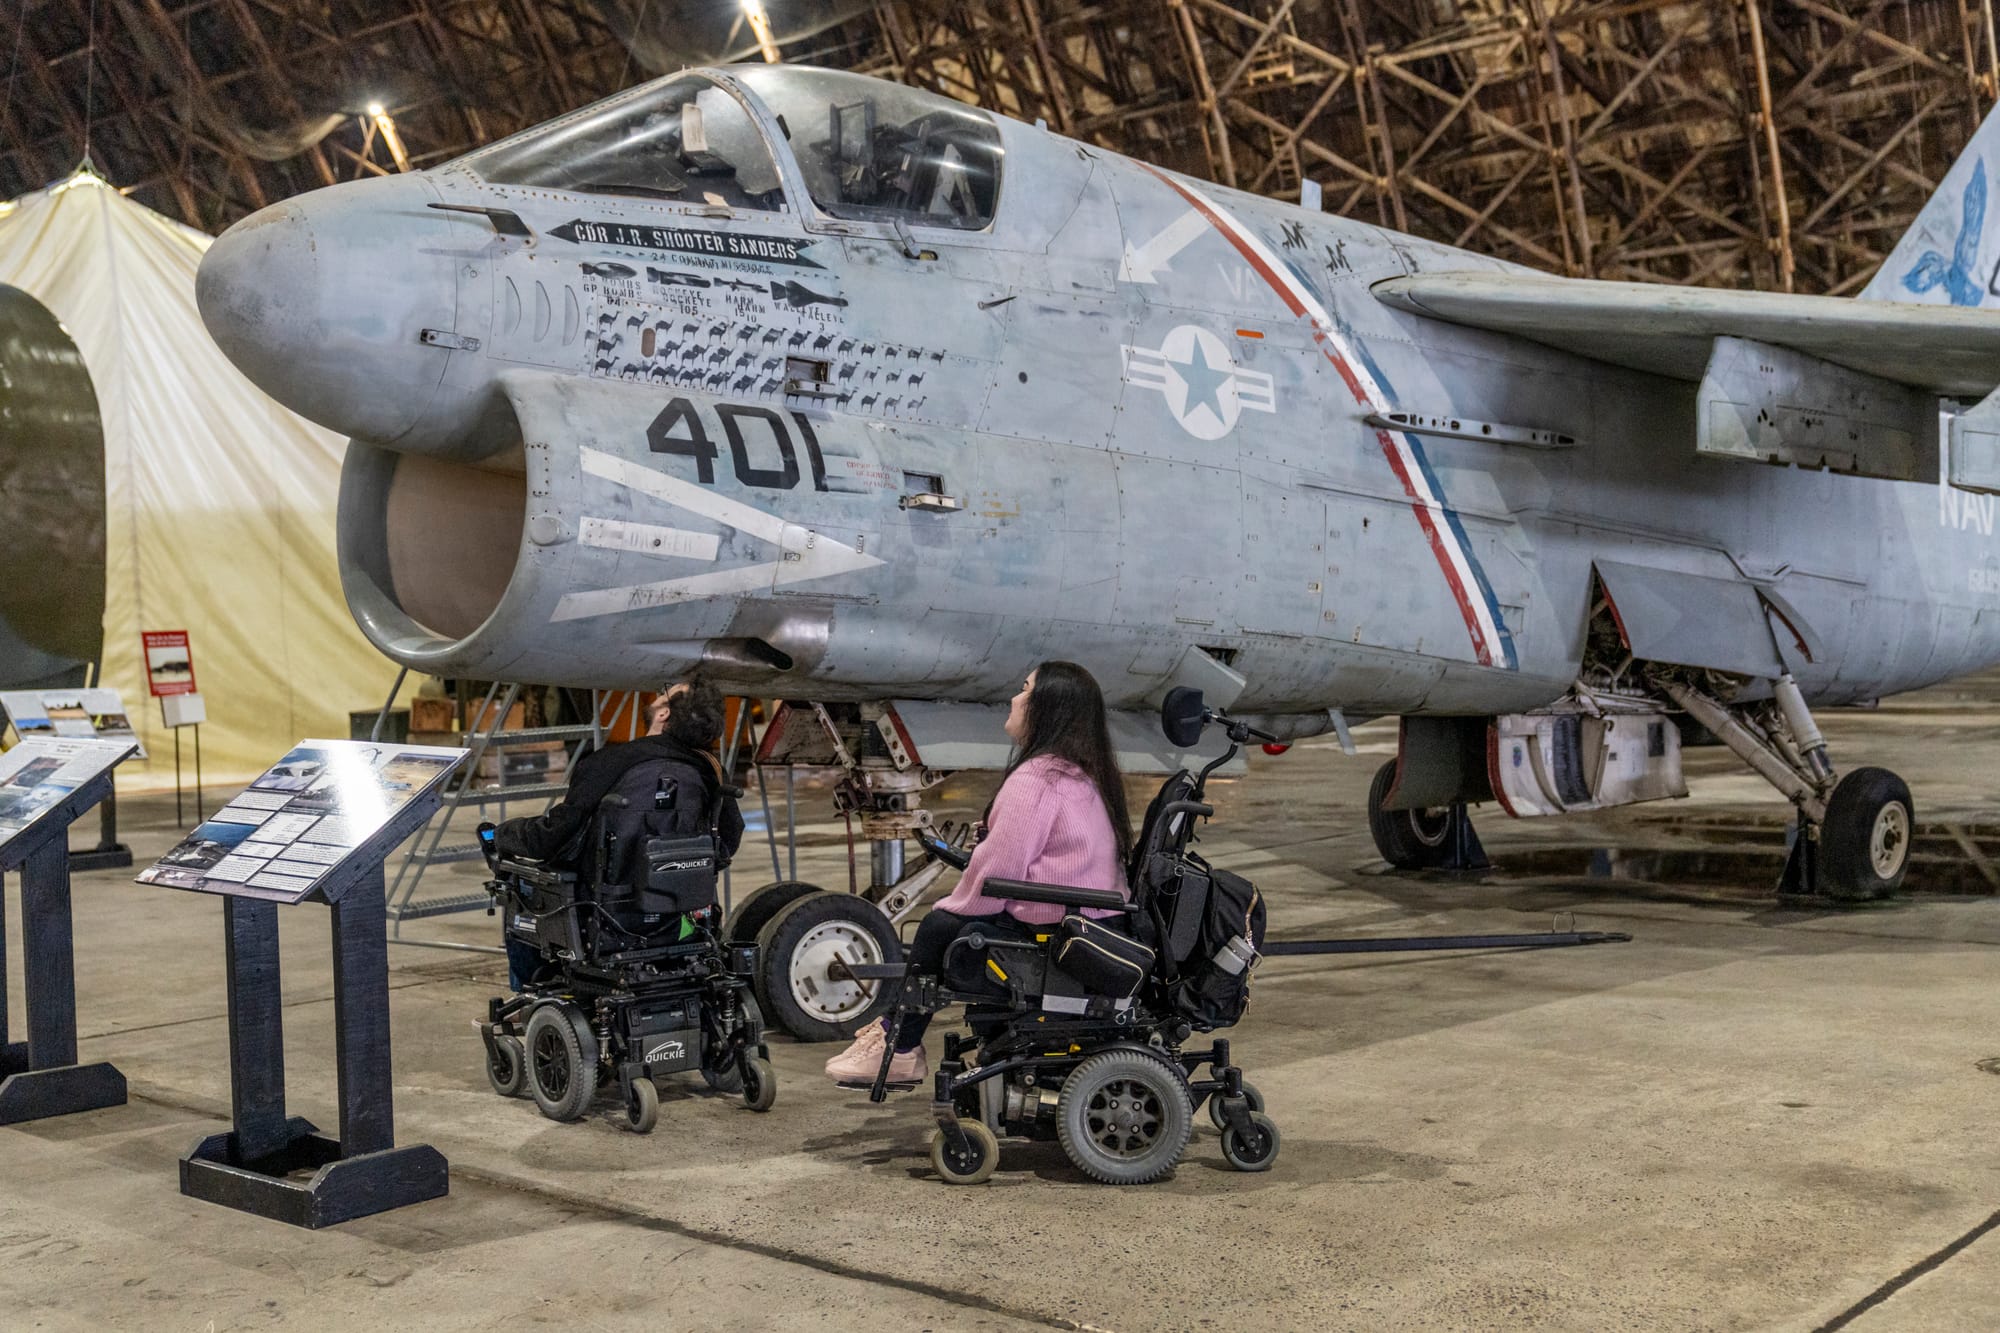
(808, 936)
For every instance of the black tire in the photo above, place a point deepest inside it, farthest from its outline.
(1864, 845)
(726, 1075)
(1258, 1151)
(975, 1165)
(792, 953)
(642, 1106)
(1124, 1117)
(760, 1083)
(506, 1066)
(1407, 839)
(1250, 1095)
(749, 917)
(562, 1060)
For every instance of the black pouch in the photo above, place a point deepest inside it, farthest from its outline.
(680, 874)
(1107, 961)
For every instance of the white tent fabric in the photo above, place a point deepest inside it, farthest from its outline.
(220, 503)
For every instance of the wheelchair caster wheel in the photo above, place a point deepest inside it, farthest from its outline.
(642, 1106)
(506, 1067)
(760, 1083)
(972, 1166)
(1250, 1095)
(1258, 1150)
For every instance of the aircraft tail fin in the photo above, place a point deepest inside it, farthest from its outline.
(1943, 258)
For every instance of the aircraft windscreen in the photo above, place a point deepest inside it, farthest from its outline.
(874, 151)
(683, 139)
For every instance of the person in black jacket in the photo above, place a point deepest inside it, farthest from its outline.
(683, 723)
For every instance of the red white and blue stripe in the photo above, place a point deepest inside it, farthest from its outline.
(1492, 644)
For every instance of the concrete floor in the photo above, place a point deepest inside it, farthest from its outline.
(1753, 1116)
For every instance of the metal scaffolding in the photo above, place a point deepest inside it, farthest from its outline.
(1770, 143)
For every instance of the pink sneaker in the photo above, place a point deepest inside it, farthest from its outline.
(866, 1049)
(905, 1067)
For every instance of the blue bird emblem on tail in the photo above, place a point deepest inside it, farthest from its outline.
(1958, 278)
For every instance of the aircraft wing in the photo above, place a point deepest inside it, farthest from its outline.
(1817, 381)
(1662, 330)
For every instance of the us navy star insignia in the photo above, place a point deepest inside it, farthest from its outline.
(1204, 387)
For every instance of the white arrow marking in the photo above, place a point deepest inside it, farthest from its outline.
(684, 495)
(807, 554)
(1144, 262)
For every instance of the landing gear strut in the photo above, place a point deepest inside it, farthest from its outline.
(806, 935)
(1851, 836)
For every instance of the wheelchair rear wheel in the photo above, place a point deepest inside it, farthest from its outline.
(1124, 1117)
(1258, 1150)
(562, 1060)
(506, 1067)
(974, 1164)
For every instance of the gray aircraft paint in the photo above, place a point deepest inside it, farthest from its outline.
(1150, 395)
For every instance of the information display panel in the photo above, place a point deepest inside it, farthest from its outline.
(40, 773)
(306, 817)
(70, 714)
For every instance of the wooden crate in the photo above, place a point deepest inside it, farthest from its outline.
(433, 715)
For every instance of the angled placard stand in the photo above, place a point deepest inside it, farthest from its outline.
(315, 827)
(47, 784)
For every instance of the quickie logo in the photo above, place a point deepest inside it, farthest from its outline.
(666, 1050)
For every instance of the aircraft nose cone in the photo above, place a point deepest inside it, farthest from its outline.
(321, 301)
(258, 291)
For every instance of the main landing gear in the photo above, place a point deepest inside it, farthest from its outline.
(1439, 838)
(1851, 836)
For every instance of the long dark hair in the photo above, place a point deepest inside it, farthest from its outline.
(1065, 719)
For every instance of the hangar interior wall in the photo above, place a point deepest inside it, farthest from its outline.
(219, 502)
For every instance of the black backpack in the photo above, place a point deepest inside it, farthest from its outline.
(1213, 924)
(656, 838)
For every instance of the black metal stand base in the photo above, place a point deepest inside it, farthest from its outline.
(41, 1075)
(115, 857)
(34, 1094)
(280, 1166)
(338, 1189)
(1800, 877)
(1463, 850)
(109, 853)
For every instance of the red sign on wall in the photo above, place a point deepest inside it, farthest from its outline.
(169, 664)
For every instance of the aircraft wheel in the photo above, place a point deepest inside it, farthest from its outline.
(796, 947)
(755, 910)
(1864, 845)
(1407, 839)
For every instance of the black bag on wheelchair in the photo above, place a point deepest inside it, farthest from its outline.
(1108, 962)
(1212, 924)
(659, 845)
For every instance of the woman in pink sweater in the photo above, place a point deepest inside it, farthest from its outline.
(1058, 818)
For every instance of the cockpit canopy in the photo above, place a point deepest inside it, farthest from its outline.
(867, 150)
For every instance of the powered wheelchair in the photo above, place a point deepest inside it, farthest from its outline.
(628, 985)
(1079, 1035)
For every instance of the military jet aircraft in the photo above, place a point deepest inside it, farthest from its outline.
(961, 394)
